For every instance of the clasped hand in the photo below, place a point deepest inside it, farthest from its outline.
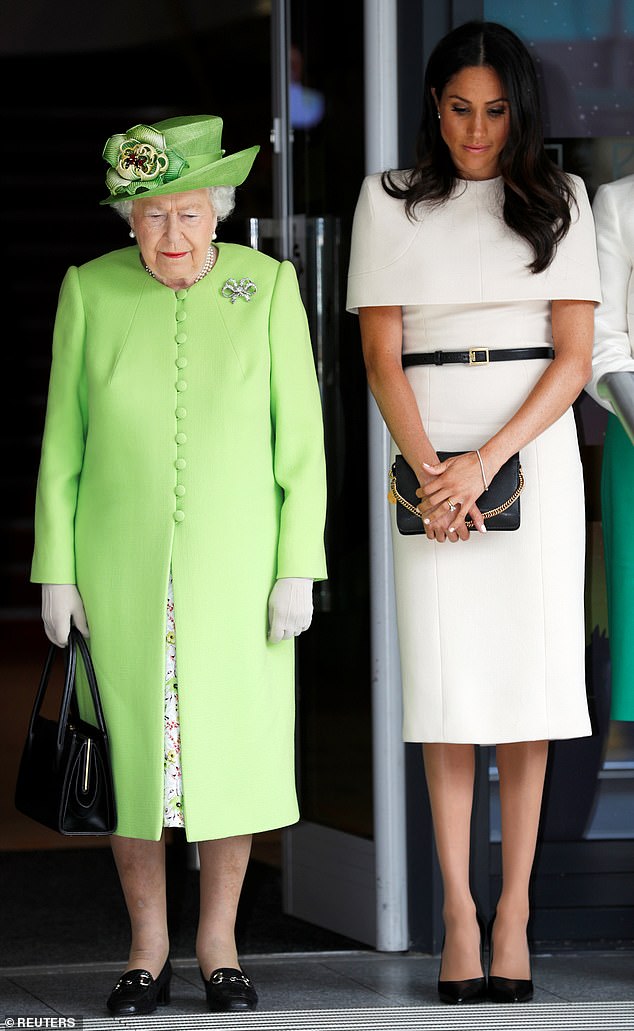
(449, 496)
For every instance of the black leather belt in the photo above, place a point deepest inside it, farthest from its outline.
(476, 356)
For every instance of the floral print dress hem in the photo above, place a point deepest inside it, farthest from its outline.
(173, 808)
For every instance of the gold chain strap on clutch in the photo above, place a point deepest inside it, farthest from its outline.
(468, 522)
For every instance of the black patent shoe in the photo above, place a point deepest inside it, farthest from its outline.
(137, 991)
(507, 989)
(229, 990)
(473, 989)
(510, 989)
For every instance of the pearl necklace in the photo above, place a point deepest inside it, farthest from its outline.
(210, 261)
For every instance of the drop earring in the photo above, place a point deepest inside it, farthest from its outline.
(438, 113)
(132, 234)
(214, 236)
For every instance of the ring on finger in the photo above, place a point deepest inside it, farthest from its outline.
(452, 506)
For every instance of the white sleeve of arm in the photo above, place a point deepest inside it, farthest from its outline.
(612, 350)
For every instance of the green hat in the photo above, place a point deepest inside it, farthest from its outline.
(172, 156)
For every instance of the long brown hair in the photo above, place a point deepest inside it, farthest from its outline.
(537, 194)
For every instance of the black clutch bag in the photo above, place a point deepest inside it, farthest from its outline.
(65, 777)
(500, 504)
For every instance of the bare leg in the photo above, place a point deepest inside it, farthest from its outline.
(450, 771)
(223, 864)
(141, 868)
(522, 767)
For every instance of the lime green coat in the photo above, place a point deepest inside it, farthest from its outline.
(184, 430)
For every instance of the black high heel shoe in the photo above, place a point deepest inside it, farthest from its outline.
(472, 989)
(229, 990)
(507, 989)
(137, 991)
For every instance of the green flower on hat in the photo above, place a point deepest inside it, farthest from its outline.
(172, 156)
(140, 160)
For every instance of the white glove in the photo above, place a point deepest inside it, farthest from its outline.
(62, 603)
(290, 608)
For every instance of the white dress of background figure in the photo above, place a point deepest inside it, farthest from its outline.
(614, 353)
(613, 209)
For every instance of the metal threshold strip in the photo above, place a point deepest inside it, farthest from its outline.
(568, 1016)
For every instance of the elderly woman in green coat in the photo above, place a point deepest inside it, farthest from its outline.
(179, 520)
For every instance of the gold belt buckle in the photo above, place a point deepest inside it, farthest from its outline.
(474, 352)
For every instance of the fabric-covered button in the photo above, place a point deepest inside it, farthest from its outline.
(181, 338)
(178, 516)
(181, 438)
(181, 363)
(181, 316)
(181, 413)
(180, 463)
(181, 385)
(179, 490)
(181, 295)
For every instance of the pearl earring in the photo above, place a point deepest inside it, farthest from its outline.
(438, 113)
(132, 234)
(214, 236)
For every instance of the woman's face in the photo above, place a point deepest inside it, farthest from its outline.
(174, 233)
(474, 121)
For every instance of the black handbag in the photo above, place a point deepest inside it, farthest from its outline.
(500, 504)
(65, 777)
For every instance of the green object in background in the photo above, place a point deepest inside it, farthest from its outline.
(617, 499)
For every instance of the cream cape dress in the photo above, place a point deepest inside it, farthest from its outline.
(491, 631)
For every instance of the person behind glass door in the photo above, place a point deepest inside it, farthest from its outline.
(483, 244)
(613, 208)
(181, 500)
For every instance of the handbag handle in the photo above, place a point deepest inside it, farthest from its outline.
(75, 642)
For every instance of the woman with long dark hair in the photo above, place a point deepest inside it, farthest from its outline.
(475, 277)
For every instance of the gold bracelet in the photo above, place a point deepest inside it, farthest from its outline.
(484, 479)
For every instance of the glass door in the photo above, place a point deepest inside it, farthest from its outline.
(582, 887)
(585, 56)
(317, 137)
